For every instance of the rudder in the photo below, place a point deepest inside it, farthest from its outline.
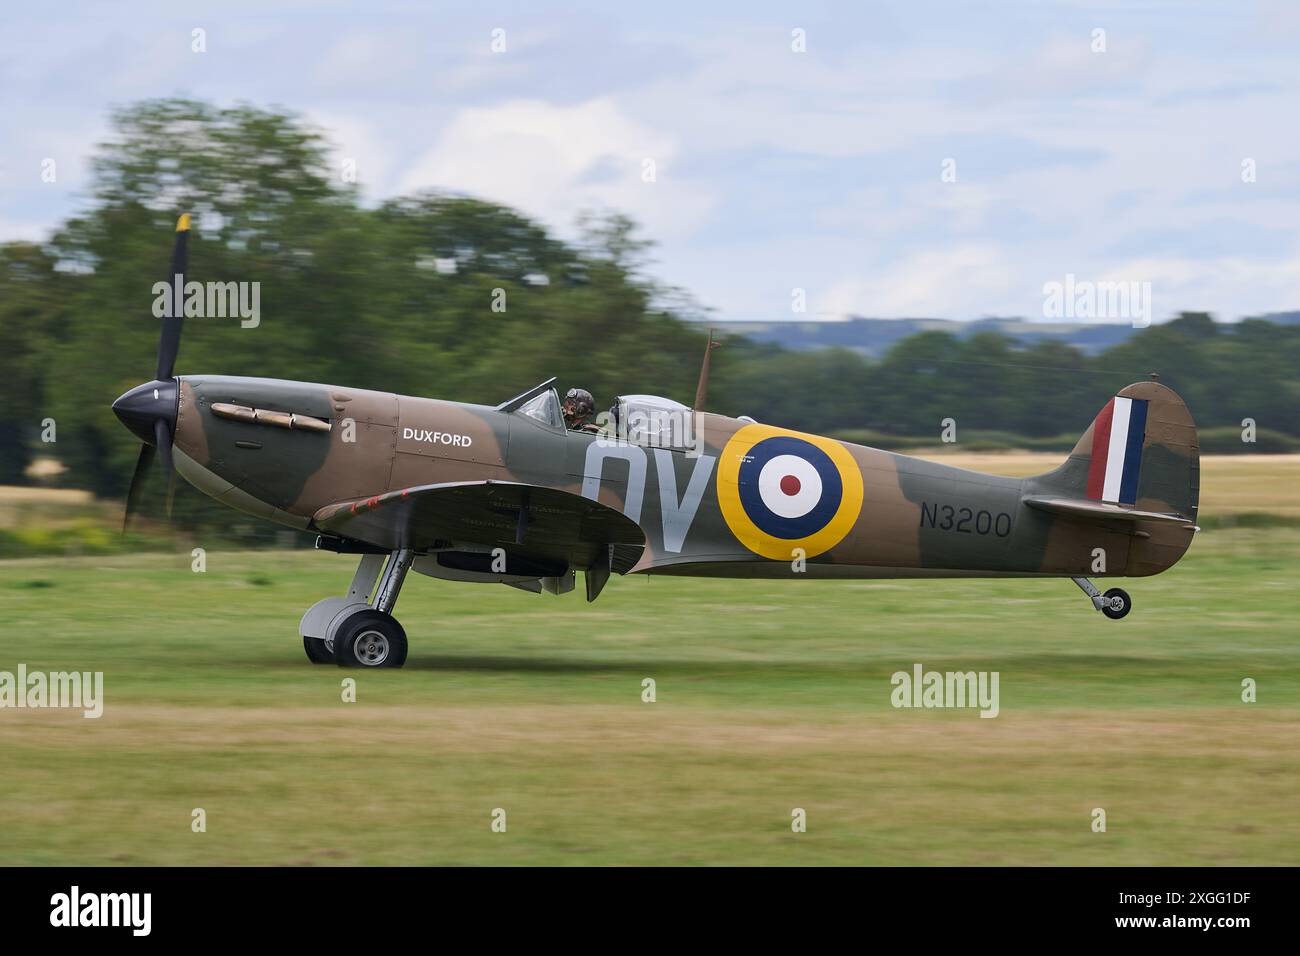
(1141, 451)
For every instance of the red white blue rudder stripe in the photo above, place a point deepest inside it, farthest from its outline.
(1117, 437)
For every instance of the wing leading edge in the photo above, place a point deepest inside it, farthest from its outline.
(526, 521)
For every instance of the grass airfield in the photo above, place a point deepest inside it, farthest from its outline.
(770, 696)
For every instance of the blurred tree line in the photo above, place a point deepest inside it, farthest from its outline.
(399, 298)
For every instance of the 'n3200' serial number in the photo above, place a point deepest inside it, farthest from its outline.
(965, 520)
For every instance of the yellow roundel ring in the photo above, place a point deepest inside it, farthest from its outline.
(783, 491)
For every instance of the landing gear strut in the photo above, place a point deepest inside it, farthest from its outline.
(1115, 603)
(359, 630)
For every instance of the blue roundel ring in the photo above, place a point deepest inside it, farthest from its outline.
(764, 518)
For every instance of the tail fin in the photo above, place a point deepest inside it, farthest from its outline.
(1140, 452)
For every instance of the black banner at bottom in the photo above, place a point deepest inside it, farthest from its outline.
(330, 905)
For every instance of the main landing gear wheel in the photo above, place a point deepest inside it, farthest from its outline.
(318, 651)
(357, 629)
(1117, 603)
(370, 639)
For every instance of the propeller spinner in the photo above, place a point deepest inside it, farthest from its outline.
(149, 410)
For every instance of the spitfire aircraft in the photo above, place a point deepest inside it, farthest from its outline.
(509, 494)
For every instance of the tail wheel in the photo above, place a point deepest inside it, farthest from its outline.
(370, 639)
(318, 651)
(1117, 605)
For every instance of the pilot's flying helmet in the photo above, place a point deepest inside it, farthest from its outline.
(578, 405)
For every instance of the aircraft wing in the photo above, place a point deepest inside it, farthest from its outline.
(1077, 508)
(529, 521)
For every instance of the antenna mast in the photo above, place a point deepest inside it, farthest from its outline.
(702, 389)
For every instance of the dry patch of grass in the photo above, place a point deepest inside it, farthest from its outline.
(650, 784)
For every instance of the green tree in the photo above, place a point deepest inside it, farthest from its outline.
(32, 316)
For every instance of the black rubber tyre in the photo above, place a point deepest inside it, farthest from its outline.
(318, 652)
(370, 639)
(1117, 596)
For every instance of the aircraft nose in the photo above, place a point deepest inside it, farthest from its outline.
(143, 405)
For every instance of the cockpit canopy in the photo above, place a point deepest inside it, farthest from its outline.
(649, 420)
(655, 421)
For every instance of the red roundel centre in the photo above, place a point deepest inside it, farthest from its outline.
(790, 485)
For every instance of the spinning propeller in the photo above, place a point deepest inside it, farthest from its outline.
(149, 410)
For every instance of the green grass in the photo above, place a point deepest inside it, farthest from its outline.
(770, 696)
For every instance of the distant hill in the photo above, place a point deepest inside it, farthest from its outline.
(874, 337)
(1280, 318)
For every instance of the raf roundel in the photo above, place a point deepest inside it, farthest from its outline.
(783, 492)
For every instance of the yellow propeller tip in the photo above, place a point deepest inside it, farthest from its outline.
(183, 223)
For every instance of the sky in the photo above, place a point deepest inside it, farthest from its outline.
(885, 159)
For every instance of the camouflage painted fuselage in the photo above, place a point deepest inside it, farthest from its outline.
(728, 508)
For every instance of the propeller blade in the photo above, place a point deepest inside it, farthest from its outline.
(129, 407)
(142, 466)
(162, 437)
(169, 341)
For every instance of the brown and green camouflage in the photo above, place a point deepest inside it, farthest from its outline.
(452, 481)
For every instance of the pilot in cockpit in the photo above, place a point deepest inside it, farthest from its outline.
(578, 407)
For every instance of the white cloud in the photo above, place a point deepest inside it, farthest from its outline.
(553, 161)
(357, 140)
(1229, 286)
(939, 282)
